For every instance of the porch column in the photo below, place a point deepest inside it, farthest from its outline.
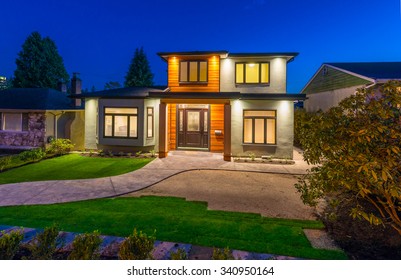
(163, 150)
(227, 132)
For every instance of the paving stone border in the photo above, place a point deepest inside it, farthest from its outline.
(162, 249)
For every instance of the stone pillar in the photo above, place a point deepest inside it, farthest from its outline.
(227, 132)
(163, 150)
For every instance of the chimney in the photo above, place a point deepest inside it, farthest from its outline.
(76, 87)
(76, 84)
(61, 86)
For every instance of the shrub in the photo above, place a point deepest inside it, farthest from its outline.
(4, 162)
(101, 153)
(60, 146)
(45, 244)
(110, 152)
(180, 254)
(121, 154)
(9, 244)
(32, 155)
(222, 254)
(138, 153)
(153, 153)
(137, 246)
(86, 247)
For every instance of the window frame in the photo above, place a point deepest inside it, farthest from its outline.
(253, 118)
(147, 122)
(113, 122)
(189, 72)
(260, 73)
(24, 118)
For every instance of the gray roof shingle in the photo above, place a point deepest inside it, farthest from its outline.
(35, 99)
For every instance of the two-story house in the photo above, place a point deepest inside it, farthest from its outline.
(232, 103)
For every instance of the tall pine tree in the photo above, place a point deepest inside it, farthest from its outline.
(39, 64)
(139, 73)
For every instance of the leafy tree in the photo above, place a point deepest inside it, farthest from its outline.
(39, 64)
(112, 85)
(356, 149)
(139, 73)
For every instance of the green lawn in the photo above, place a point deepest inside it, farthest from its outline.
(175, 220)
(72, 166)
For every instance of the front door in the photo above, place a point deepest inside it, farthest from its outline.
(193, 128)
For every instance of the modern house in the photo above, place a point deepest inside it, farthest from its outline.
(232, 103)
(30, 117)
(333, 82)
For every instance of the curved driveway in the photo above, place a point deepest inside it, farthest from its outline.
(49, 192)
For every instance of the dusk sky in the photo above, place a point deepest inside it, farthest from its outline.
(97, 38)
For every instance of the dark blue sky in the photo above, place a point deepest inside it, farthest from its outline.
(97, 38)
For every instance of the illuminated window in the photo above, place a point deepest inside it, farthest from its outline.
(252, 73)
(193, 71)
(260, 127)
(121, 122)
(14, 121)
(150, 122)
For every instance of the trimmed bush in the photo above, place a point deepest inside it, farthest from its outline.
(180, 254)
(60, 146)
(32, 155)
(222, 254)
(45, 244)
(9, 244)
(137, 246)
(86, 247)
(4, 162)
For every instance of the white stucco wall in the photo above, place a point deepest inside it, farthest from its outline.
(155, 140)
(284, 128)
(327, 99)
(91, 106)
(278, 76)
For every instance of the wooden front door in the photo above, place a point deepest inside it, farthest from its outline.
(193, 128)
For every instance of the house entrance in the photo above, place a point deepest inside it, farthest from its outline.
(193, 126)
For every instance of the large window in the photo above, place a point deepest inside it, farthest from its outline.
(149, 122)
(193, 71)
(260, 127)
(14, 121)
(121, 122)
(252, 73)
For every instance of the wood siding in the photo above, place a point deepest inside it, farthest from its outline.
(331, 79)
(216, 123)
(172, 126)
(213, 84)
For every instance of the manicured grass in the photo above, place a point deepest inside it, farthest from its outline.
(177, 220)
(72, 166)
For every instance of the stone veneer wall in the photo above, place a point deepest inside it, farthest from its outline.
(33, 137)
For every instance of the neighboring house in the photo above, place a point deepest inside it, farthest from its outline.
(30, 117)
(215, 101)
(335, 81)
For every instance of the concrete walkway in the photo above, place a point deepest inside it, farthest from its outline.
(49, 192)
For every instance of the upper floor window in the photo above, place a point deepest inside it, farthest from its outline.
(252, 73)
(121, 122)
(193, 71)
(14, 121)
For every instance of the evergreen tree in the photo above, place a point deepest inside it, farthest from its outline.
(139, 73)
(39, 64)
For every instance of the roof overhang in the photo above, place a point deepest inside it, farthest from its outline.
(166, 55)
(288, 55)
(227, 96)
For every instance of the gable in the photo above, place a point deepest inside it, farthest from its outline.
(328, 78)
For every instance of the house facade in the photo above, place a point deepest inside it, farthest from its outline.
(231, 103)
(333, 82)
(30, 117)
